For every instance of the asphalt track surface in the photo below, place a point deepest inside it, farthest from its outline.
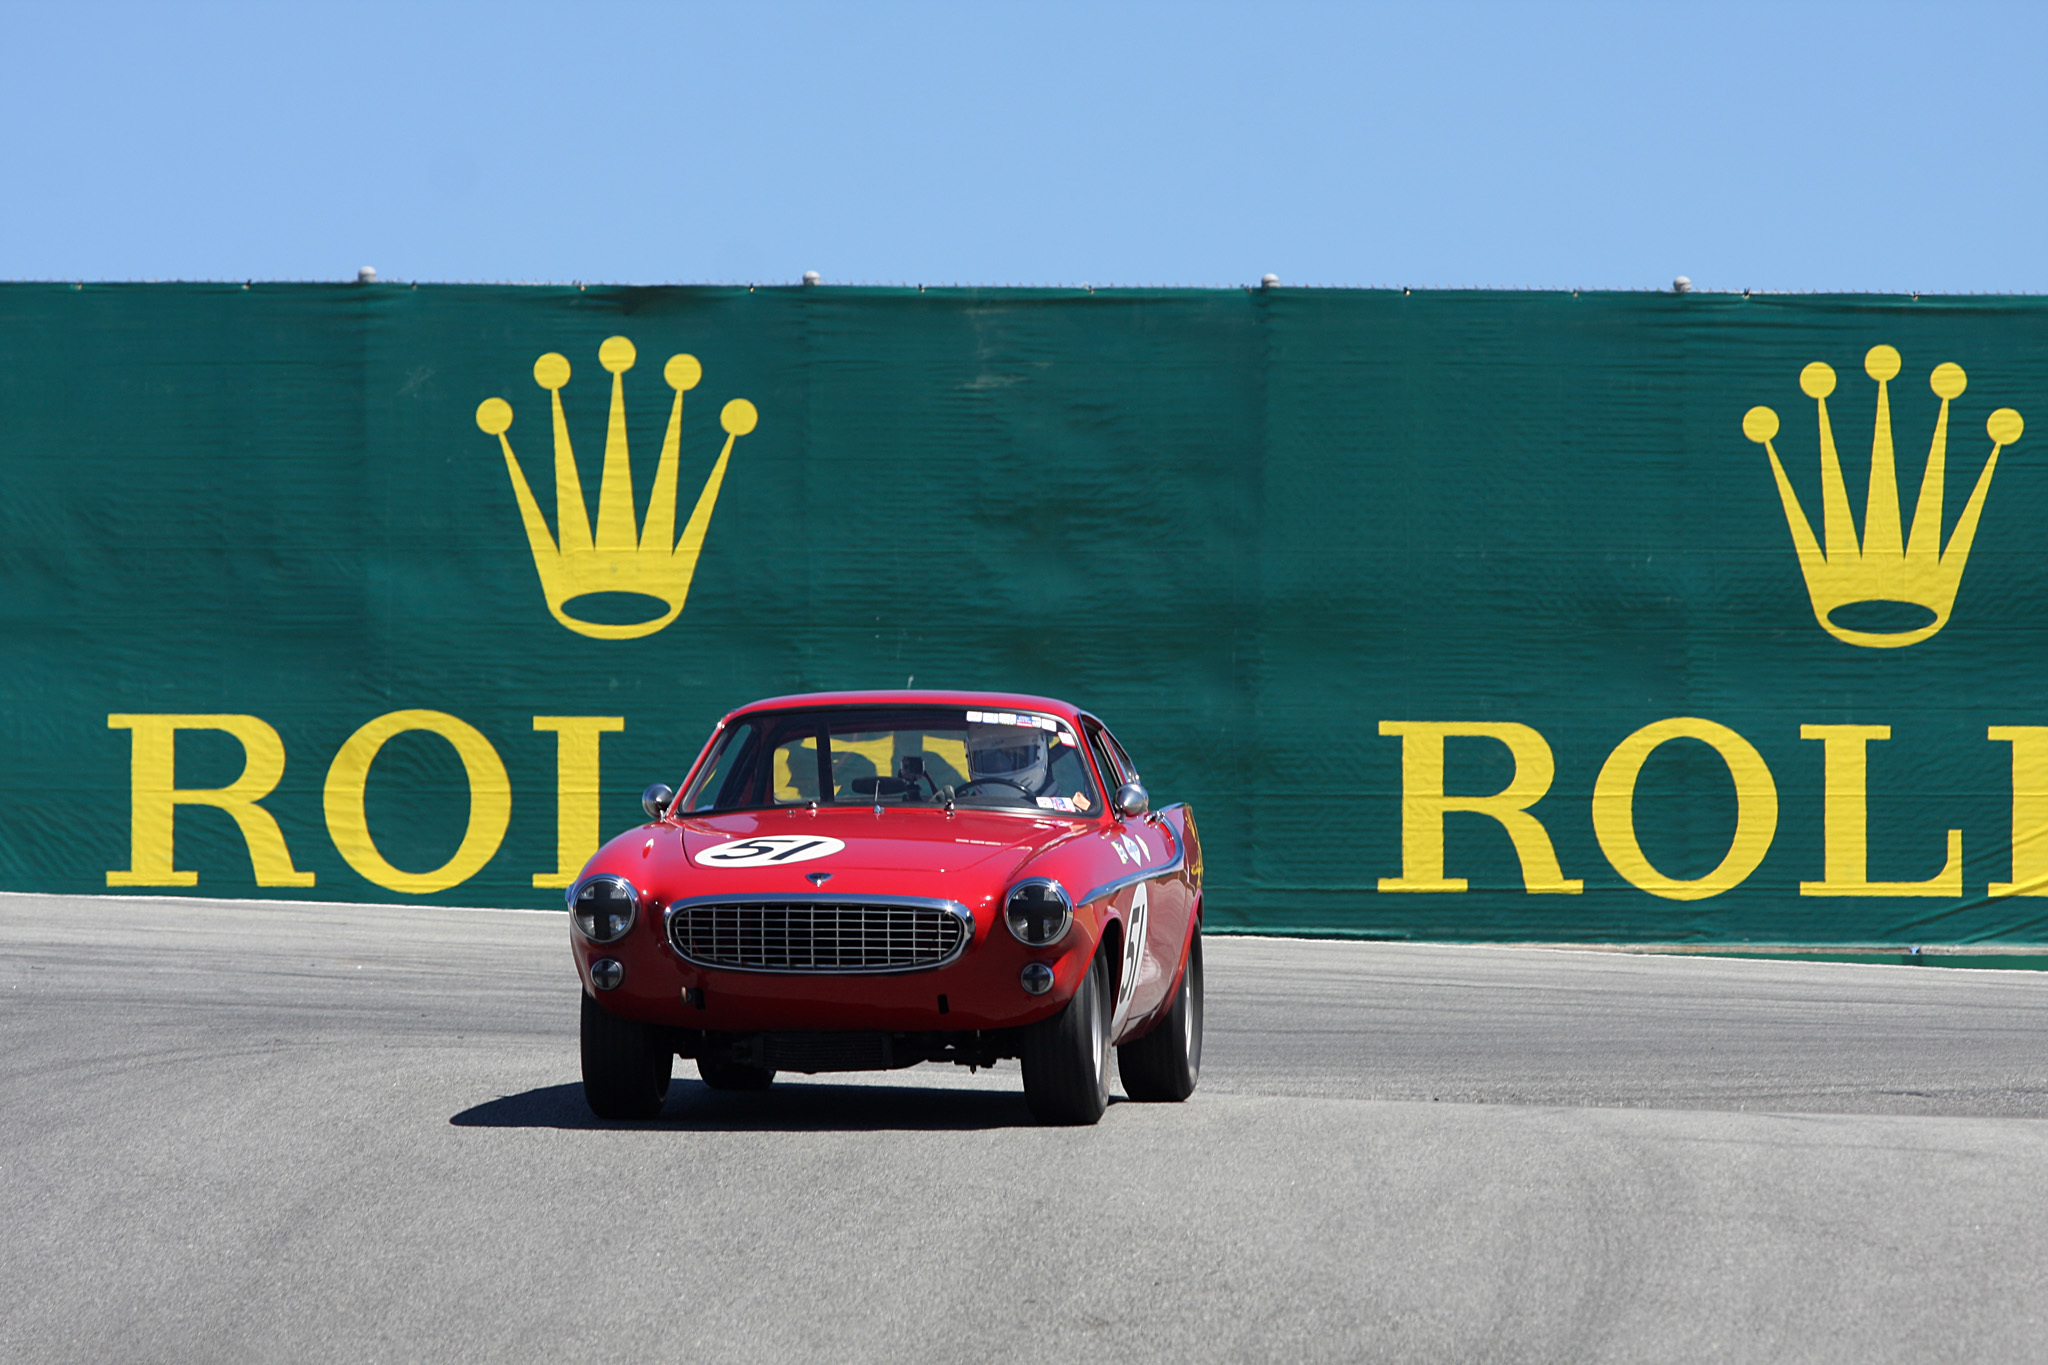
(245, 1132)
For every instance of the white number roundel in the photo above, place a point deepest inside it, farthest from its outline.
(770, 850)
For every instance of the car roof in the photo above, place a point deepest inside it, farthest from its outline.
(906, 696)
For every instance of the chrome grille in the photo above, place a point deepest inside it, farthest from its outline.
(819, 936)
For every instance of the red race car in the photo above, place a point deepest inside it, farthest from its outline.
(856, 881)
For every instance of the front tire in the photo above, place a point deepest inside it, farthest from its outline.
(626, 1065)
(1166, 1063)
(1066, 1057)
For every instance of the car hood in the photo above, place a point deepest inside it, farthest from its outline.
(902, 851)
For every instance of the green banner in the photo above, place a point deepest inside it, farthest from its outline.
(1521, 616)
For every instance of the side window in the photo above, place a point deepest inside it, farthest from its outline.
(1112, 776)
(1123, 760)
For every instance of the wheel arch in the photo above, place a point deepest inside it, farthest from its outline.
(1110, 943)
(1180, 970)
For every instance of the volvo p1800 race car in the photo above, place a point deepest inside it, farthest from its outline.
(868, 880)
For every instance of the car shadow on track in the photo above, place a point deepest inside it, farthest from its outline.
(694, 1106)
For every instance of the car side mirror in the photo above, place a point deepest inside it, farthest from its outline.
(656, 799)
(1131, 800)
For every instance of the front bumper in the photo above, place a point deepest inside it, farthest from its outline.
(976, 989)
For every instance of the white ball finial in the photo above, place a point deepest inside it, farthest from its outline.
(1681, 285)
(1267, 281)
(812, 277)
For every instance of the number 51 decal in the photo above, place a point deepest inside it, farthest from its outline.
(767, 851)
(1134, 955)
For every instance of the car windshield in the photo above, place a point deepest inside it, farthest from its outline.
(897, 755)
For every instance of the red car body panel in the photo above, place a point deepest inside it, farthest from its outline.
(1142, 873)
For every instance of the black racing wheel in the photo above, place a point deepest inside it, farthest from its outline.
(1166, 1063)
(626, 1064)
(1066, 1057)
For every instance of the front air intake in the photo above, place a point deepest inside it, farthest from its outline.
(839, 935)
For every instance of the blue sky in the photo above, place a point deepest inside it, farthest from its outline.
(1771, 146)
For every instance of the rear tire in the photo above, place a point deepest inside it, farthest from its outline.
(1166, 1063)
(1066, 1057)
(626, 1065)
(722, 1074)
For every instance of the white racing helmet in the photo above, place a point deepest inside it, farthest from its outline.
(1008, 753)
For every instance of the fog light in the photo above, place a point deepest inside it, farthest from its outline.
(1036, 978)
(606, 974)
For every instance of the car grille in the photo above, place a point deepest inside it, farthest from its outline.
(826, 936)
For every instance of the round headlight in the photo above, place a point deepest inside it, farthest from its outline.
(1038, 912)
(603, 907)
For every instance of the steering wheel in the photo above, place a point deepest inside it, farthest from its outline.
(1020, 789)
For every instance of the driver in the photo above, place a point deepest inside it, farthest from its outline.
(1009, 755)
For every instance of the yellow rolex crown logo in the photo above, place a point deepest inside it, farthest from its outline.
(619, 557)
(1885, 568)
